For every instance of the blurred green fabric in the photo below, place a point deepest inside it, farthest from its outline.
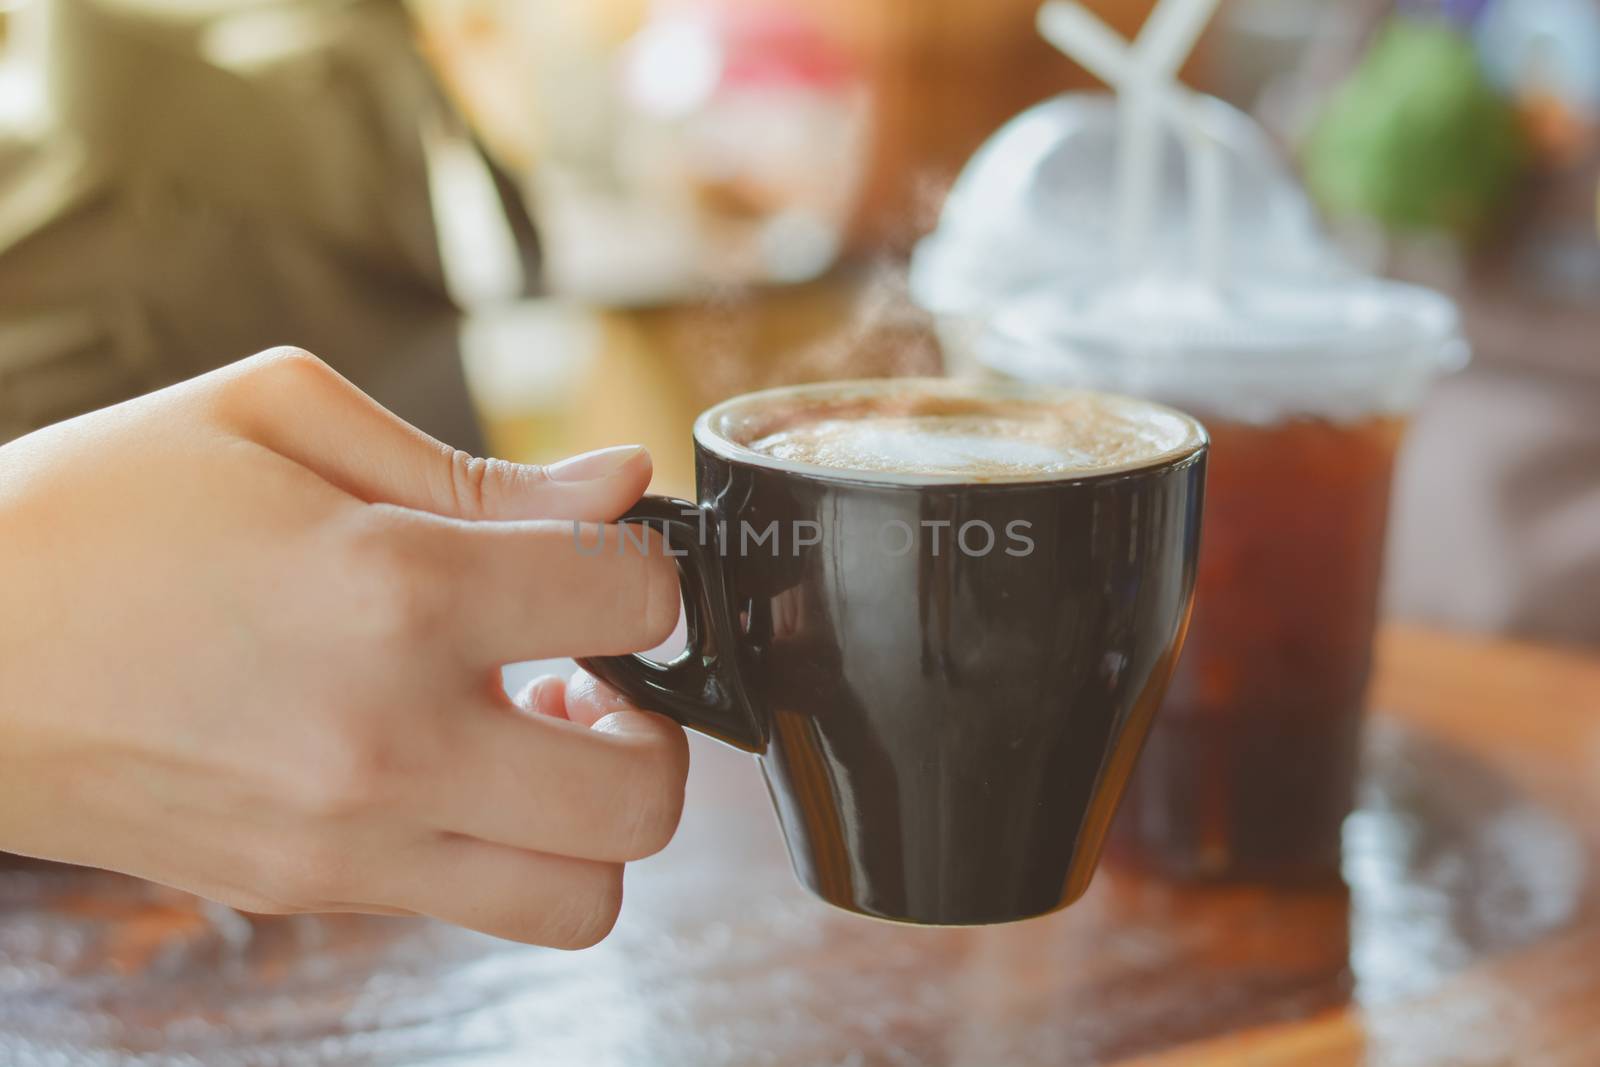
(220, 177)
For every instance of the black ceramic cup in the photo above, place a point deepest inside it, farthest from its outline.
(946, 682)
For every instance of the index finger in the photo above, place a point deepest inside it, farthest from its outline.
(505, 592)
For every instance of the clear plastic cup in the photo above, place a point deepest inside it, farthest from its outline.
(1305, 388)
(1305, 374)
(1035, 207)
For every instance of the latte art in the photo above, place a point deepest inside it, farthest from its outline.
(939, 433)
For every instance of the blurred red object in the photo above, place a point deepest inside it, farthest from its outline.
(777, 45)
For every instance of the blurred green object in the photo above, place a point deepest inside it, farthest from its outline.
(1417, 138)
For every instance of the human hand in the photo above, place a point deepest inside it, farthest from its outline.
(250, 647)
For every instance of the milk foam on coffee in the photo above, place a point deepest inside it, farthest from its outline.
(942, 433)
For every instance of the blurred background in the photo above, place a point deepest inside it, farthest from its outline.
(535, 227)
(540, 226)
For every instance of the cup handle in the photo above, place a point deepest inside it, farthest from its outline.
(699, 688)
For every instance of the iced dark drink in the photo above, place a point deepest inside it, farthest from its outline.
(1249, 768)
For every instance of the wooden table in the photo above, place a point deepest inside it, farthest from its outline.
(1470, 934)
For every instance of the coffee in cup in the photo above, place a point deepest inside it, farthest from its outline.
(914, 432)
(942, 615)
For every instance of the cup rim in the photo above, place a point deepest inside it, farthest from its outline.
(711, 432)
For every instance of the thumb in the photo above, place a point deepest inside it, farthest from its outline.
(293, 403)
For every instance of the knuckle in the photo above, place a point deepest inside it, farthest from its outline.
(476, 482)
(469, 475)
(586, 917)
(398, 588)
(268, 384)
(347, 771)
(292, 364)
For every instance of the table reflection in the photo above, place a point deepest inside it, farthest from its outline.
(721, 958)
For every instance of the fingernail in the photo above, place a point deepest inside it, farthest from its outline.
(592, 466)
(587, 688)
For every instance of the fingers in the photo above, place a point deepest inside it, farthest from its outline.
(291, 402)
(539, 899)
(505, 592)
(587, 699)
(614, 793)
(508, 823)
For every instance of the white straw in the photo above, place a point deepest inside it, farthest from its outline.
(1139, 144)
(1163, 44)
(1143, 77)
(1208, 204)
(1079, 32)
(1169, 34)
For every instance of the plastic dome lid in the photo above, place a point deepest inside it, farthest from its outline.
(1035, 204)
